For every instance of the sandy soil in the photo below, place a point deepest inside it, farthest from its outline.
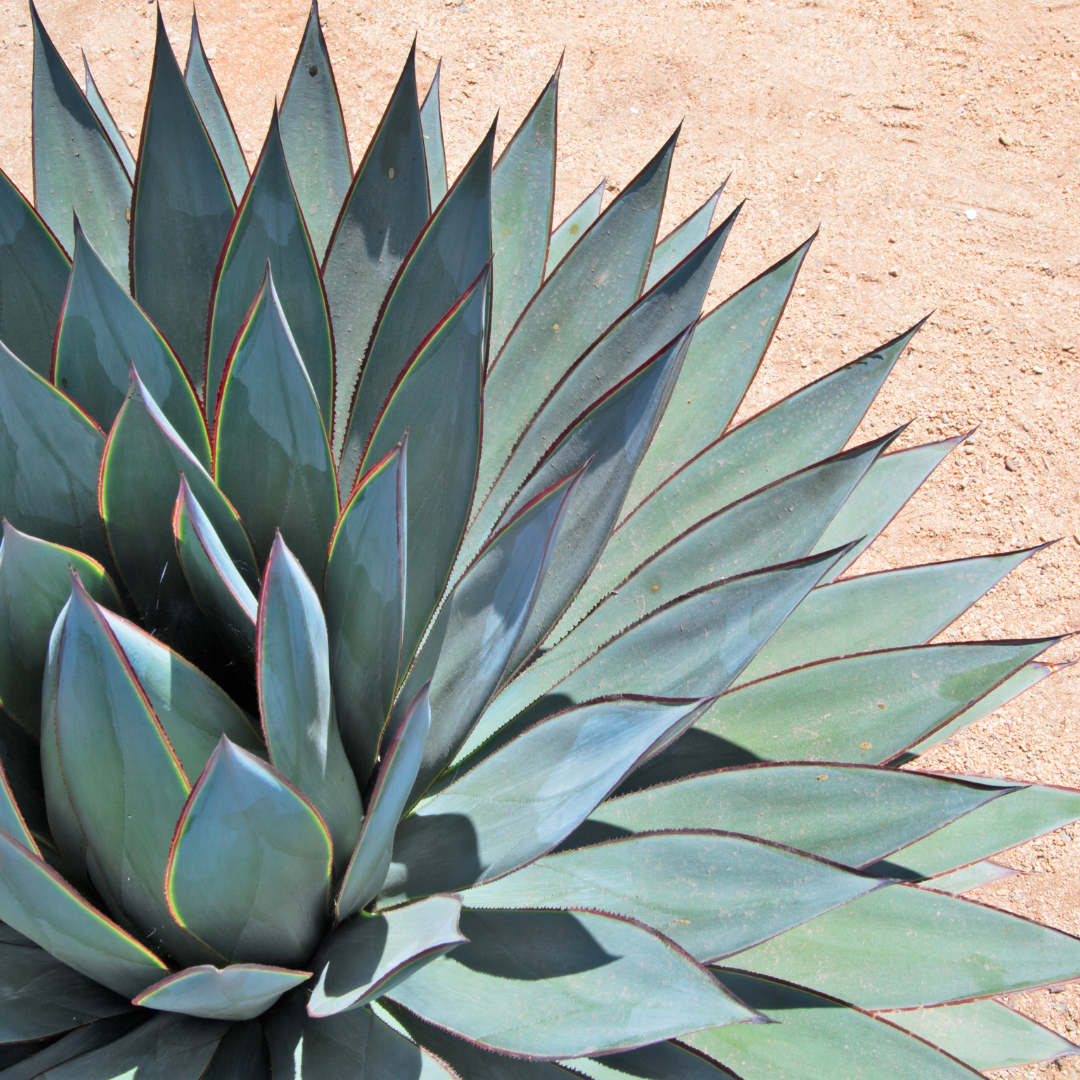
(936, 144)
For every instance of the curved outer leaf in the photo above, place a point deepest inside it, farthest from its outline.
(23, 794)
(164, 1048)
(105, 118)
(880, 496)
(102, 332)
(193, 711)
(297, 708)
(205, 93)
(724, 357)
(434, 151)
(872, 811)
(609, 439)
(635, 337)
(50, 452)
(34, 1062)
(711, 893)
(349, 1044)
(269, 226)
(863, 709)
(181, 211)
(774, 525)
(369, 955)
(249, 871)
(41, 996)
(811, 424)
(384, 210)
(1024, 679)
(140, 476)
(271, 452)
(522, 198)
(574, 227)
(967, 878)
(219, 589)
(75, 165)
(846, 616)
(526, 797)
(35, 583)
(34, 271)
(1023, 814)
(236, 992)
(364, 602)
(540, 984)
(596, 282)
(37, 902)
(125, 783)
(816, 1038)
(12, 822)
(313, 133)
(447, 257)
(901, 947)
(661, 1061)
(985, 1034)
(370, 861)
(468, 651)
(678, 243)
(438, 401)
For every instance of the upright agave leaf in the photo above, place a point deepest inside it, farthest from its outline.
(434, 151)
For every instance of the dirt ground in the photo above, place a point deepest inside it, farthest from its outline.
(937, 145)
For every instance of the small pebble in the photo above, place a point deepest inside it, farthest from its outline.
(1039, 370)
(971, 214)
(1012, 464)
(894, 272)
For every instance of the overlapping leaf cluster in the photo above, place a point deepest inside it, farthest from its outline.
(408, 670)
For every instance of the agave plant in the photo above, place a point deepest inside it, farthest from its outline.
(408, 670)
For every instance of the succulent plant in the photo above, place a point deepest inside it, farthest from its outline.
(407, 668)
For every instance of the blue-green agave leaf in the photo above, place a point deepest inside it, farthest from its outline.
(813, 1037)
(255, 889)
(863, 709)
(218, 587)
(880, 496)
(364, 602)
(678, 243)
(102, 332)
(445, 260)
(573, 227)
(596, 282)
(522, 198)
(383, 213)
(539, 984)
(269, 226)
(984, 1034)
(297, 708)
(125, 782)
(899, 947)
(34, 271)
(712, 893)
(661, 1061)
(140, 476)
(40, 996)
(369, 955)
(164, 1048)
(24, 797)
(235, 992)
(370, 861)
(50, 452)
(434, 151)
(37, 902)
(724, 357)
(437, 400)
(242, 1054)
(204, 91)
(181, 212)
(467, 653)
(846, 616)
(105, 118)
(75, 165)
(521, 801)
(313, 133)
(872, 811)
(958, 882)
(271, 452)
(35, 583)
(32, 1061)
(353, 1043)
(12, 823)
